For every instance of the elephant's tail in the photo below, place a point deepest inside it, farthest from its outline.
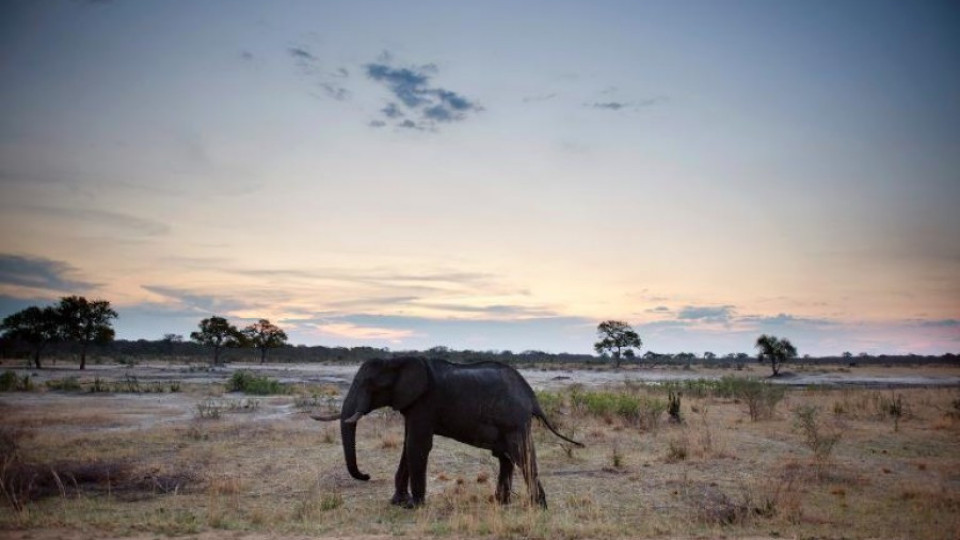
(543, 418)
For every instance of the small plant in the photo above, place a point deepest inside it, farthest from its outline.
(678, 448)
(67, 384)
(761, 398)
(9, 382)
(892, 407)
(248, 383)
(673, 407)
(330, 501)
(130, 384)
(174, 386)
(616, 456)
(209, 409)
(98, 386)
(806, 422)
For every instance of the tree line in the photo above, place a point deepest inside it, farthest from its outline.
(82, 324)
(75, 325)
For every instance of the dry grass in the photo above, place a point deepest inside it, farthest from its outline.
(716, 474)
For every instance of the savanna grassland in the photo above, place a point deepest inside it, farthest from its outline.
(733, 456)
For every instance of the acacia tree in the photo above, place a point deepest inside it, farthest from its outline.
(35, 326)
(776, 350)
(218, 333)
(86, 322)
(264, 335)
(618, 339)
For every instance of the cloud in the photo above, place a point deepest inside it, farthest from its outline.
(710, 314)
(39, 273)
(301, 55)
(199, 303)
(612, 105)
(943, 323)
(328, 83)
(560, 334)
(421, 105)
(621, 105)
(347, 330)
(784, 319)
(118, 224)
(539, 98)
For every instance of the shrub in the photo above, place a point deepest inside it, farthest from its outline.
(891, 407)
(67, 384)
(209, 409)
(678, 449)
(806, 422)
(761, 398)
(673, 408)
(9, 382)
(248, 383)
(640, 411)
(129, 384)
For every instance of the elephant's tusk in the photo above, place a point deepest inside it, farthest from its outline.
(353, 419)
(328, 418)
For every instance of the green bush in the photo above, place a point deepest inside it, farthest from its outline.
(761, 398)
(635, 410)
(248, 383)
(806, 422)
(9, 381)
(67, 384)
(550, 402)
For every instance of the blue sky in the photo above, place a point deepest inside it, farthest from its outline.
(493, 175)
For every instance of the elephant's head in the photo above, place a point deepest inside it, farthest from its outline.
(396, 383)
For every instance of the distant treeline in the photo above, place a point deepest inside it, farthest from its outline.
(128, 351)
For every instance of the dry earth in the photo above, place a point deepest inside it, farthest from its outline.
(260, 469)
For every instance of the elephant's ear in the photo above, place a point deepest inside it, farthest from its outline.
(413, 381)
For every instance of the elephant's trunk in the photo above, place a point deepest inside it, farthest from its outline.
(348, 432)
(354, 406)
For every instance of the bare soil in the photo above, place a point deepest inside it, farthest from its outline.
(153, 463)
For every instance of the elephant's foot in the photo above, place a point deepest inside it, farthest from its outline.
(503, 496)
(400, 499)
(413, 502)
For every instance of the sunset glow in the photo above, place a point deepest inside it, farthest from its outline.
(494, 175)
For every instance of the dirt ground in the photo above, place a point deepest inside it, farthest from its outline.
(141, 461)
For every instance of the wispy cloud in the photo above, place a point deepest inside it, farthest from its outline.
(328, 81)
(942, 323)
(626, 105)
(116, 223)
(40, 273)
(198, 302)
(539, 98)
(351, 331)
(420, 105)
(711, 314)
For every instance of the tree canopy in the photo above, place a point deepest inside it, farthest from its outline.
(218, 333)
(618, 339)
(776, 350)
(264, 335)
(35, 326)
(85, 322)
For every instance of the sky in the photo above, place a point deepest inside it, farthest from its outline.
(490, 175)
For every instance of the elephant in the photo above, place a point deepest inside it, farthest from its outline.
(485, 404)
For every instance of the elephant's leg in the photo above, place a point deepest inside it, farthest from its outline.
(526, 456)
(401, 481)
(417, 446)
(505, 480)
